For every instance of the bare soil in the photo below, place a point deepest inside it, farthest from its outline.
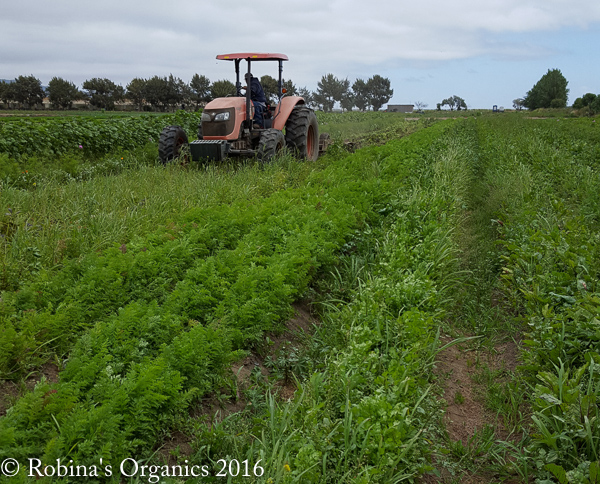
(10, 391)
(213, 409)
(466, 414)
(456, 367)
(301, 324)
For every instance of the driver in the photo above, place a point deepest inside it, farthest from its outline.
(257, 95)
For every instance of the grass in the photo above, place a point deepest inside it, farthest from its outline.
(144, 357)
(57, 221)
(485, 227)
(355, 125)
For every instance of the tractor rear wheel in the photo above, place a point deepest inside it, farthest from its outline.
(171, 142)
(302, 133)
(271, 142)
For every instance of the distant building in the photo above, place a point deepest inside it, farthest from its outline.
(400, 108)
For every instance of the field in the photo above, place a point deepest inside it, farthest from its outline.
(421, 304)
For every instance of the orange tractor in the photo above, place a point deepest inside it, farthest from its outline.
(245, 125)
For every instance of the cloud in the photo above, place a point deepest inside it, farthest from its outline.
(126, 39)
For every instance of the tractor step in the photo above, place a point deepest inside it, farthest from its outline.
(209, 149)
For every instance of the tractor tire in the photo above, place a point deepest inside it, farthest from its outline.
(302, 133)
(171, 142)
(271, 142)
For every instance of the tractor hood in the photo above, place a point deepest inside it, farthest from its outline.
(222, 118)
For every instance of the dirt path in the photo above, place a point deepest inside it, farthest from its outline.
(464, 371)
(476, 377)
(458, 367)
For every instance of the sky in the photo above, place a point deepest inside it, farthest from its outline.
(485, 51)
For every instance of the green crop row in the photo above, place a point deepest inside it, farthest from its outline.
(364, 410)
(53, 137)
(548, 175)
(153, 324)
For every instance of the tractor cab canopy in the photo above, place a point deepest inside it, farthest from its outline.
(253, 57)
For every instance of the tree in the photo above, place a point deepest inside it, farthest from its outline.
(28, 91)
(136, 92)
(420, 105)
(448, 102)
(290, 88)
(595, 106)
(6, 92)
(222, 88)
(308, 97)
(379, 91)
(177, 92)
(550, 91)
(589, 104)
(330, 90)
(103, 93)
(62, 93)
(200, 90)
(459, 103)
(518, 103)
(361, 94)
(156, 92)
(584, 101)
(453, 102)
(270, 87)
(347, 101)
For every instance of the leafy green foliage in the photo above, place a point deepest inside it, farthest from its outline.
(200, 89)
(547, 224)
(103, 93)
(160, 92)
(454, 102)
(27, 91)
(549, 92)
(62, 93)
(330, 90)
(153, 324)
(222, 88)
(145, 326)
(52, 137)
(363, 406)
(361, 94)
(589, 103)
(379, 91)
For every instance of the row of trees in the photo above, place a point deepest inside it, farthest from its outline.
(160, 93)
(164, 93)
(372, 93)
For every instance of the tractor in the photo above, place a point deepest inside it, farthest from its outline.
(246, 125)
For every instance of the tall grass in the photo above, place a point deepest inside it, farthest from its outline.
(42, 227)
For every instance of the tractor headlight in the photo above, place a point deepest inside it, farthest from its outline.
(222, 116)
(205, 117)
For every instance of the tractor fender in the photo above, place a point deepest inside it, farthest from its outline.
(282, 111)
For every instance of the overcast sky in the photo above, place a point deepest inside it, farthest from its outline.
(485, 51)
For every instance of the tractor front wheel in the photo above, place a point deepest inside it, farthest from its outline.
(171, 142)
(271, 142)
(302, 133)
